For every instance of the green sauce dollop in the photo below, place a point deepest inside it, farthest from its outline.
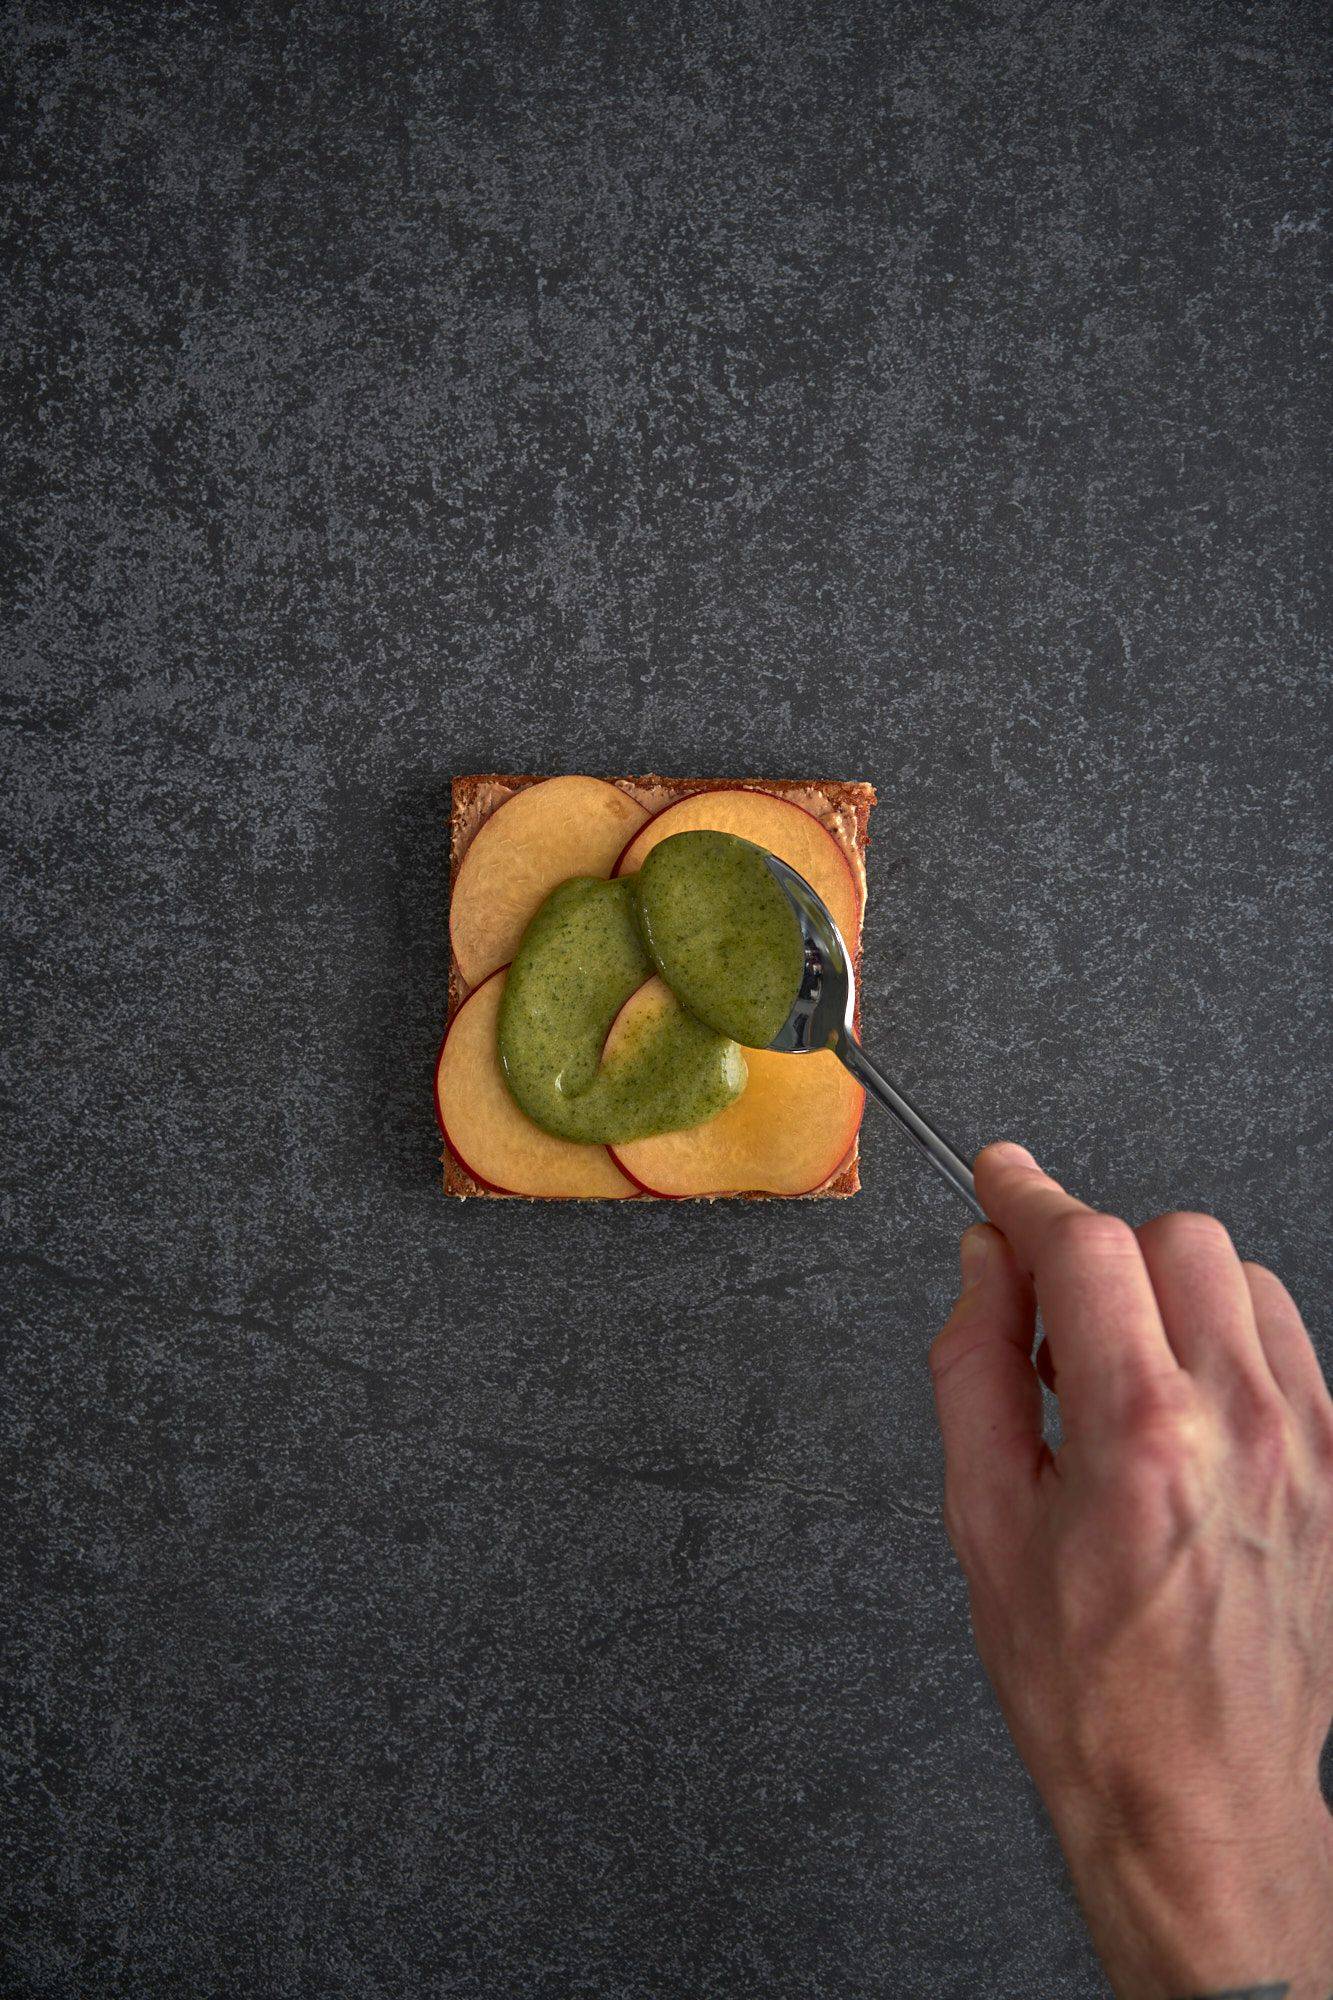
(722, 933)
(579, 960)
(703, 912)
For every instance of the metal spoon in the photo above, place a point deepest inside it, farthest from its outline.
(822, 1016)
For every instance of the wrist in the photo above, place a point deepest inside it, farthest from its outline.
(1191, 1902)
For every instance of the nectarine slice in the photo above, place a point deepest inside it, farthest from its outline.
(788, 1132)
(783, 827)
(529, 845)
(487, 1133)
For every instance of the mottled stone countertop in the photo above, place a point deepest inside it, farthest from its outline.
(492, 1600)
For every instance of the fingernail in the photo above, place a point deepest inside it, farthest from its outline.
(1012, 1154)
(975, 1254)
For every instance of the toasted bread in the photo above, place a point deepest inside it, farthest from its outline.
(842, 806)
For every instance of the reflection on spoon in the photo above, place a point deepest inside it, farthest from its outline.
(822, 1017)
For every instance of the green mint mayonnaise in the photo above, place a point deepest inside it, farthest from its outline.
(706, 914)
(722, 933)
(579, 960)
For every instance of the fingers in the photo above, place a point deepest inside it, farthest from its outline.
(1288, 1350)
(1126, 1310)
(1204, 1301)
(986, 1391)
(1107, 1341)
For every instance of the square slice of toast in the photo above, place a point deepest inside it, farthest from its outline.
(842, 806)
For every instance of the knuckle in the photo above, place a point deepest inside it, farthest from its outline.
(1186, 1228)
(1263, 1426)
(958, 1341)
(1162, 1418)
(1169, 1469)
(951, 1376)
(1085, 1233)
(941, 1349)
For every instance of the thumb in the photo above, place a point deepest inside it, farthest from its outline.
(987, 1394)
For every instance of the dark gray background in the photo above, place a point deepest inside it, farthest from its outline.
(502, 1600)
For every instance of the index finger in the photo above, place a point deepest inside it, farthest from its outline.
(1096, 1297)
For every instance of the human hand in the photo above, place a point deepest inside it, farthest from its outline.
(1154, 1603)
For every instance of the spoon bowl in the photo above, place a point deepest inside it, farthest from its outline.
(823, 1016)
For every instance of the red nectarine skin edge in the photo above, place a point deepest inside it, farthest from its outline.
(458, 871)
(462, 859)
(493, 1187)
(739, 1195)
(778, 798)
(653, 1194)
(506, 1194)
(503, 1194)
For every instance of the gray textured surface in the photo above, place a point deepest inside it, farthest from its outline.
(493, 1601)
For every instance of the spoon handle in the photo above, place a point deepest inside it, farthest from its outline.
(941, 1155)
